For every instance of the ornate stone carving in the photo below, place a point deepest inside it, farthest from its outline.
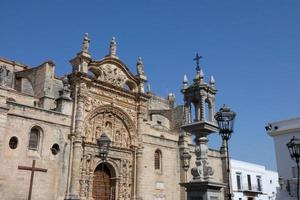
(202, 171)
(92, 103)
(125, 183)
(114, 123)
(112, 74)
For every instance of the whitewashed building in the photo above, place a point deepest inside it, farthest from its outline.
(282, 132)
(252, 181)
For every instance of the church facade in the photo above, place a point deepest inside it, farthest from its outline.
(49, 128)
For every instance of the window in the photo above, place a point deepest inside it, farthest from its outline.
(55, 149)
(238, 181)
(13, 142)
(157, 160)
(249, 182)
(258, 178)
(34, 138)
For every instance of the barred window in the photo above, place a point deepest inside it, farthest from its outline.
(34, 138)
(157, 160)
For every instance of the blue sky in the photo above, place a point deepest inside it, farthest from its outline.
(251, 47)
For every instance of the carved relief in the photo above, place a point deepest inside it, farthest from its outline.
(114, 123)
(119, 96)
(125, 183)
(111, 74)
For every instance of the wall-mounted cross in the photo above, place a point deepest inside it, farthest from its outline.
(197, 59)
(32, 169)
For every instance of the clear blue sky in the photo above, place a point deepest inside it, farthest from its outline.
(251, 47)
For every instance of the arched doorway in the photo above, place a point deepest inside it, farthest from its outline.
(104, 182)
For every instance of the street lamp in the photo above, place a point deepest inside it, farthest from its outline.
(225, 118)
(103, 143)
(294, 149)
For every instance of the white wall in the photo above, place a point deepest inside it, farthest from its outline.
(284, 161)
(269, 180)
(282, 132)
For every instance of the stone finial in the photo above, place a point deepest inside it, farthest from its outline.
(140, 67)
(201, 73)
(148, 88)
(171, 96)
(212, 81)
(199, 77)
(86, 43)
(185, 82)
(65, 82)
(113, 47)
(171, 99)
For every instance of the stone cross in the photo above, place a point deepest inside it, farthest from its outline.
(32, 169)
(197, 59)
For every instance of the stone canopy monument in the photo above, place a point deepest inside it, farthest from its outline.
(50, 125)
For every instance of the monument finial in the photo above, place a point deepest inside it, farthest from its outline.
(197, 59)
(212, 81)
(185, 82)
(86, 43)
(113, 47)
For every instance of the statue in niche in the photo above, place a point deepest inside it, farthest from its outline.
(108, 128)
(98, 132)
(118, 138)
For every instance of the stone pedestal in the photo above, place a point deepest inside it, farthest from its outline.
(203, 190)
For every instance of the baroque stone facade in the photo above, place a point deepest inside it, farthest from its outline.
(56, 122)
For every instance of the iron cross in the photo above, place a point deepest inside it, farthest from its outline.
(197, 59)
(32, 169)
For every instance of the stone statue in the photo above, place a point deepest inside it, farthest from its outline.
(140, 67)
(86, 43)
(113, 47)
(3, 75)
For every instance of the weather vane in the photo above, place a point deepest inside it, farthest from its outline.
(197, 59)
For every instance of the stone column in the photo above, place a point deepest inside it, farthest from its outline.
(139, 168)
(77, 151)
(139, 158)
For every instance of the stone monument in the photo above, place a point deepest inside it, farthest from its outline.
(199, 106)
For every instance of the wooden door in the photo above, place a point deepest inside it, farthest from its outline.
(102, 183)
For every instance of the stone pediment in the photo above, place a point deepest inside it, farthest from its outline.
(112, 71)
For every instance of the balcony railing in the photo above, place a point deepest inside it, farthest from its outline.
(253, 188)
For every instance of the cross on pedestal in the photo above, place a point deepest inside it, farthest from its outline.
(32, 169)
(197, 59)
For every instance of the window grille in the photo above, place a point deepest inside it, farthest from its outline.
(34, 139)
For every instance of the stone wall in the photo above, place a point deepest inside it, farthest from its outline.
(55, 127)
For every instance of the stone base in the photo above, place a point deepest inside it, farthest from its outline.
(72, 197)
(203, 190)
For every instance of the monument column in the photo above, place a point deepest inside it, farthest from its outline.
(202, 186)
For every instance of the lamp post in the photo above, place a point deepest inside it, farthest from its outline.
(294, 149)
(225, 118)
(103, 143)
